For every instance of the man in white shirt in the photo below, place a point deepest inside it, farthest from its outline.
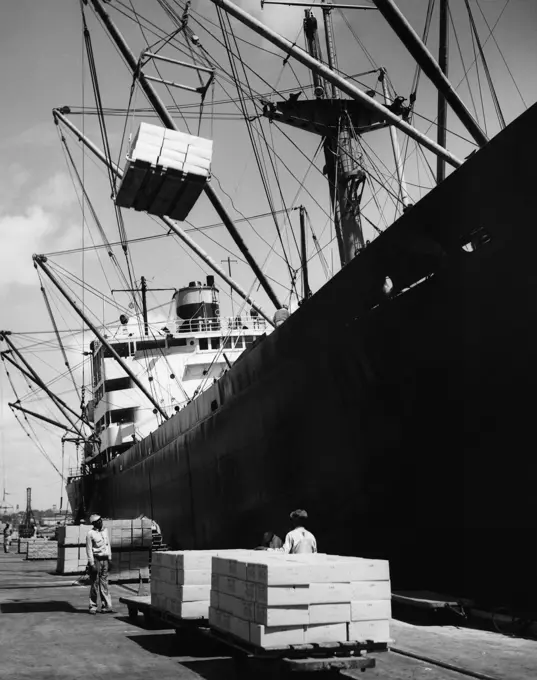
(299, 540)
(99, 555)
(8, 537)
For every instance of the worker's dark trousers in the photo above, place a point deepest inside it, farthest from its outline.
(7, 544)
(99, 583)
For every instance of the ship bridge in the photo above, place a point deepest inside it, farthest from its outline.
(175, 361)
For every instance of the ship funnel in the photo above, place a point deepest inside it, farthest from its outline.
(198, 301)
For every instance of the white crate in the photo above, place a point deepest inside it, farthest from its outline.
(326, 632)
(194, 577)
(214, 599)
(163, 573)
(363, 569)
(240, 628)
(371, 611)
(323, 593)
(282, 574)
(329, 613)
(377, 631)
(282, 595)
(276, 636)
(370, 590)
(190, 610)
(219, 619)
(282, 616)
(193, 593)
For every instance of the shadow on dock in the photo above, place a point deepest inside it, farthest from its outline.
(25, 607)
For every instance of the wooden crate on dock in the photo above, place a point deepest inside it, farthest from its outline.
(130, 540)
(41, 549)
(129, 565)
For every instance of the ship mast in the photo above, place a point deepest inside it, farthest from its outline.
(338, 118)
(346, 175)
(443, 57)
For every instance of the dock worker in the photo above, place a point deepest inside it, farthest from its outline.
(99, 555)
(8, 537)
(299, 540)
(270, 540)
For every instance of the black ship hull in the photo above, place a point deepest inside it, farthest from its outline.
(403, 423)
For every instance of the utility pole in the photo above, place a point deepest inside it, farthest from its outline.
(443, 60)
(143, 290)
(306, 292)
(229, 261)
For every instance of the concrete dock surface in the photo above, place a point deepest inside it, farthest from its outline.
(46, 632)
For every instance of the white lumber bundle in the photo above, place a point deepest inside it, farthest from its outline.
(295, 599)
(41, 549)
(166, 171)
(181, 581)
(130, 565)
(130, 540)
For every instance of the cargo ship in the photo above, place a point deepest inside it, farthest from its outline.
(394, 404)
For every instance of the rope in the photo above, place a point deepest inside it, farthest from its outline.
(53, 320)
(485, 66)
(501, 53)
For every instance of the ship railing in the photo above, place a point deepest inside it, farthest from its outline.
(75, 472)
(224, 324)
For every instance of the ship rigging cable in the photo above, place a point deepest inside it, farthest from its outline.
(107, 150)
(74, 279)
(58, 336)
(34, 439)
(273, 88)
(485, 66)
(249, 125)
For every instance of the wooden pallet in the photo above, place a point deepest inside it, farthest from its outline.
(328, 657)
(331, 656)
(142, 604)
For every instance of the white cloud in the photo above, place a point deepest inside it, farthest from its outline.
(40, 134)
(56, 193)
(40, 227)
(20, 236)
(286, 21)
(18, 175)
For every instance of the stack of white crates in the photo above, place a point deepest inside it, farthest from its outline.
(274, 600)
(41, 549)
(130, 540)
(166, 171)
(181, 581)
(72, 558)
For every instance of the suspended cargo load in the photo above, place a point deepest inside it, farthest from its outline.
(166, 171)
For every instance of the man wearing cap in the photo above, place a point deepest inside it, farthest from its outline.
(299, 540)
(8, 537)
(99, 555)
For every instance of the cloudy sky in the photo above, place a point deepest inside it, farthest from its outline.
(44, 65)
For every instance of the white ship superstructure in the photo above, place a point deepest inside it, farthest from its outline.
(174, 361)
